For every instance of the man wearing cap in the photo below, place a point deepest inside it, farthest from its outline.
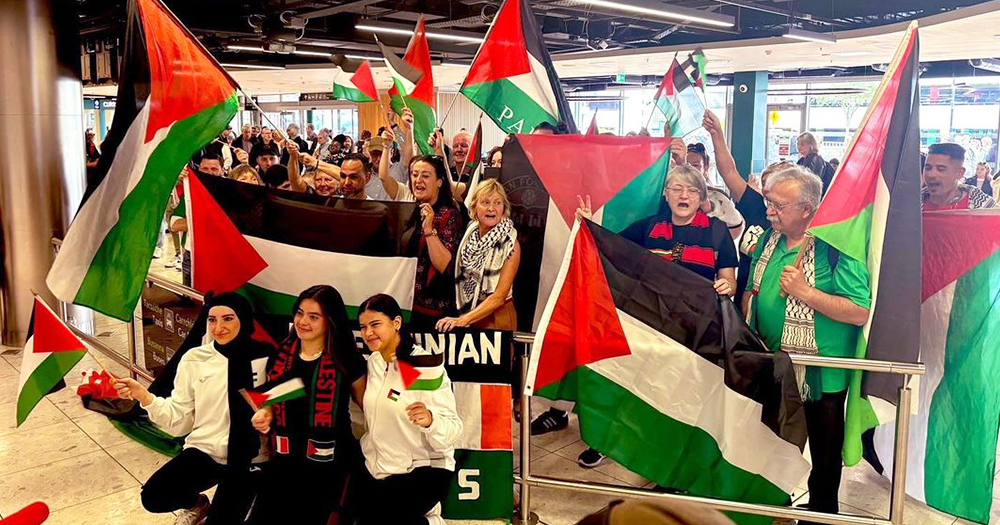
(374, 149)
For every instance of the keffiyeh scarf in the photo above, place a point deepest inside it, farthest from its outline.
(798, 336)
(480, 260)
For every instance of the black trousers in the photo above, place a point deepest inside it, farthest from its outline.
(311, 490)
(825, 422)
(178, 484)
(402, 499)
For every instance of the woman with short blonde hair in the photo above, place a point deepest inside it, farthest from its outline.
(488, 258)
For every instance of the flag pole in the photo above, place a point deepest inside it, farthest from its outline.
(448, 111)
(658, 91)
(403, 95)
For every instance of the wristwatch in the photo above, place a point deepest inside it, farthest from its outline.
(432, 233)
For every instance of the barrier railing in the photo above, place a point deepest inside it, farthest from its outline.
(526, 480)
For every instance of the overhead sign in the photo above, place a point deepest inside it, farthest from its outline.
(315, 97)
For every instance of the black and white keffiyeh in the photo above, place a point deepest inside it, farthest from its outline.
(480, 259)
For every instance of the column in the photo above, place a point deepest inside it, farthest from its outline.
(40, 186)
(748, 126)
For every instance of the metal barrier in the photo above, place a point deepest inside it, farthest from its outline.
(527, 480)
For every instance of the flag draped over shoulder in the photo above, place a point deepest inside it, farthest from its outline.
(172, 100)
(512, 78)
(358, 87)
(50, 352)
(871, 213)
(677, 99)
(953, 437)
(421, 97)
(543, 174)
(359, 247)
(666, 377)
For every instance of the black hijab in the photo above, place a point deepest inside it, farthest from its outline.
(244, 441)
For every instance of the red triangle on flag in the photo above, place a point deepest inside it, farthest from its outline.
(595, 165)
(310, 449)
(363, 80)
(257, 398)
(504, 53)
(584, 326)
(49, 334)
(408, 373)
(184, 79)
(222, 259)
(418, 55)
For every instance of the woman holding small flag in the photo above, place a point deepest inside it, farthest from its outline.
(316, 372)
(409, 447)
(206, 405)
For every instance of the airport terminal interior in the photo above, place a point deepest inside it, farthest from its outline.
(554, 220)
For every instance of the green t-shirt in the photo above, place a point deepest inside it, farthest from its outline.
(849, 279)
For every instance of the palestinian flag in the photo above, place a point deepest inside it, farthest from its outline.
(694, 68)
(404, 76)
(543, 174)
(719, 416)
(677, 100)
(953, 437)
(49, 354)
(484, 454)
(871, 213)
(421, 97)
(356, 246)
(359, 87)
(512, 78)
(293, 388)
(592, 129)
(172, 99)
(422, 372)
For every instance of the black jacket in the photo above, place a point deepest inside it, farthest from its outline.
(815, 163)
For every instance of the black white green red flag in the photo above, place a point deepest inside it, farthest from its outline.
(680, 104)
(421, 98)
(172, 100)
(544, 174)
(512, 78)
(871, 213)
(50, 352)
(356, 86)
(953, 436)
(666, 378)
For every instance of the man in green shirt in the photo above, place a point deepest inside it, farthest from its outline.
(813, 304)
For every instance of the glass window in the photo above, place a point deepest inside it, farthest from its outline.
(835, 112)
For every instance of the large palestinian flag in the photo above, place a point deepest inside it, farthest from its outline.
(421, 97)
(512, 78)
(359, 247)
(543, 174)
(172, 100)
(677, 99)
(668, 381)
(953, 437)
(871, 213)
(50, 352)
(356, 86)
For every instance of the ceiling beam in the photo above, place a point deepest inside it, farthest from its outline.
(342, 8)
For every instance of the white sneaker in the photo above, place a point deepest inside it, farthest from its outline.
(178, 264)
(169, 263)
(195, 515)
(158, 252)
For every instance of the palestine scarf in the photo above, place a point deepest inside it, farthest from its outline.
(480, 260)
(324, 397)
(244, 441)
(798, 334)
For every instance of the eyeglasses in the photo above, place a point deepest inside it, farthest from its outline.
(780, 207)
(683, 190)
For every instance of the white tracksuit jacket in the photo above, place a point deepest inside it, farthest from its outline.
(393, 444)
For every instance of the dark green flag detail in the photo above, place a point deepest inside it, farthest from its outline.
(404, 76)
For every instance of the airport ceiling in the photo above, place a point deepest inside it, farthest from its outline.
(314, 28)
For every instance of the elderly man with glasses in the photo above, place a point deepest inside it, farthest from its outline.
(806, 298)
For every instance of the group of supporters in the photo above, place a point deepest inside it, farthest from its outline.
(749, 238)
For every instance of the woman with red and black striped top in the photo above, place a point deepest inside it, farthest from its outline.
(684, 234)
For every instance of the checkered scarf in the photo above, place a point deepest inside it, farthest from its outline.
(480, 260)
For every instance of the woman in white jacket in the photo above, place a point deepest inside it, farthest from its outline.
(205, 404)
(412, 424)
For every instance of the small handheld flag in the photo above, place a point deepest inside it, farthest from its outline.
(422, 372)
(359, 87)
(286, 390)
(51, 351)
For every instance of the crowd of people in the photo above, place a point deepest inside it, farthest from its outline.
(746, 237)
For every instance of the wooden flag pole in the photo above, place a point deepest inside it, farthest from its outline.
(466, 161)
(808, 240)
(448, 111)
